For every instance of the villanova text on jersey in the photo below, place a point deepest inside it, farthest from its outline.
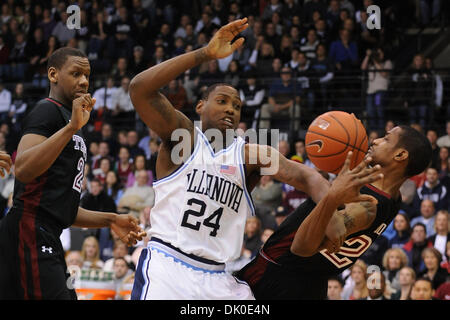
(217, 188)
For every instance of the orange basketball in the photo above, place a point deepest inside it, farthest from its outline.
(331, 136)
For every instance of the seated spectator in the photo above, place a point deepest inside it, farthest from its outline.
(113, 187)
(443, 166)
(309, 44)
(432, 189)
(280, 215)
(444, 141)
(402, 230)
(18, 106)
(121, 42)
(121, 271)
(262, 57)
(61, 30)
(427, 216)
(176, 94)
(284, 97)
(90, 252)
(138, 63)
(374, 254)
(132, 143)
(104, 167)
(359, 288)
(377, 286)
(344, 52)
(211, 76)
(335, 287)
(414, 247)
(252, 235)
(97, 199)
(120, 70)
(120, 250)
(267, 194)
(18, 61)
(103, 152)
(139, 196)
(322, 72)
(442, 236)
(124, 165)
(139, 164)
(443, 292)
(104, 103)
(422, 289)
(433, 270)
(406, 279)
(394, 260)
(74, 258)
(233, 74)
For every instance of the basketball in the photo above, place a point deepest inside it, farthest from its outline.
(331, 136)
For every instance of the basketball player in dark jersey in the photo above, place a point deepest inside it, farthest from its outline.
(49, 171)
(298, 258)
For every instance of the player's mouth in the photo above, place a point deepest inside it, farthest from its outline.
(228, 122)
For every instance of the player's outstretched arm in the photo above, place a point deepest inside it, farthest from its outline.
(345, 189)
(36, 153)
(153, 108)
(124, 225)
(5, 163)
(269, 161)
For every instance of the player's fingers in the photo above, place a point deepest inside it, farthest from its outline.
(347, 161)
(5, 157)
(5, 165)
(360, 167)
(239, 42)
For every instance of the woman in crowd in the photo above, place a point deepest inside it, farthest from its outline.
(358, 289)
(139, 163)
(433, 270)
(393, 261)
(90, 251)
(406, 279)
(402, 231)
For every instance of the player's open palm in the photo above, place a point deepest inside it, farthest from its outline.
(127, 229)
(345, 188)
(81, 110)
(220, 45)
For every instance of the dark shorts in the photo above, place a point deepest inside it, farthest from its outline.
(32, 263)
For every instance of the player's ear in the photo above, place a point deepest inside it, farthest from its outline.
(401, 155)
(52, 74)
(199, 107)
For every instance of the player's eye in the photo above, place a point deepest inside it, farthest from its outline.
(220, 101)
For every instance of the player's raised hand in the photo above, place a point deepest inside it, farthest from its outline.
(345, 188)
(5, 163)
(81, 110)
(127, 229)
(220, 45)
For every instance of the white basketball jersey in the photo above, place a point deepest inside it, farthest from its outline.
(202, 207)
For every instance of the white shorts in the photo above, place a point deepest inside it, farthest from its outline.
(165, 273)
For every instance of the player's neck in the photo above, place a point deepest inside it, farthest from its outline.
(390, 184)
(54, 94)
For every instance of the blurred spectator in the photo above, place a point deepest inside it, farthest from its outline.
(443, 166)
(121, 42)
(262, 57)
(280, 215)
(211, 76)
(374, 254)
(40, 76)
(36, 49)
(154, 145)
(377, 286)
(18, 106)
(429, 10)
(61, 31)
(393, 261)
(103, 152)
(432, 190)
(5, 102)
(121, 271)
(176, 94)
(335, 287)
(74, 258)
(284, 97)
(377, 88)
(104, 167)
(442, 236)
(252, 235)
(104, 103)
(432, 137)
(120, 70)
(344, 52)
(267, 194)
(414, 247)
(139, 196)
(265, 235)
(139, 163)
(123, 112)
(446, 264)
(124, 165)
(402, 231)
(233, 74)
(113, 187)
(422, 289)
(444, 141)
(359, 288)
(322, 72)
(97, 199)
(443, 292)
(132, 143)
(120, 250)
(418, 92)
(433, 270)
(427, 216)
(252, 95)
(309, 44)
(90, 253)
(406, 279)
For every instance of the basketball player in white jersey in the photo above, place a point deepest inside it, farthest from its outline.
(201, 205)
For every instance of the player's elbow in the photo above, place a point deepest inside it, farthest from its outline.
(22, 174)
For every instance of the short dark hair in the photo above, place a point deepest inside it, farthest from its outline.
(59, 57)
(418, 147)
(338, 279)
(420, 224)
(212, 87)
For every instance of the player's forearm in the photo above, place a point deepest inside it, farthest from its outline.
(311, 182)
(38, 158)
(151, 80)
(311, 232)
(94, 219)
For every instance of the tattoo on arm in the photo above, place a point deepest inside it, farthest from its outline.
(200, 56)
(349, 221)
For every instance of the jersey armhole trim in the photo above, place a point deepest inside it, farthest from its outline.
(244, 183)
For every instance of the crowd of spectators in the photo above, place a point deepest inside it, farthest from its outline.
(300, 58)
